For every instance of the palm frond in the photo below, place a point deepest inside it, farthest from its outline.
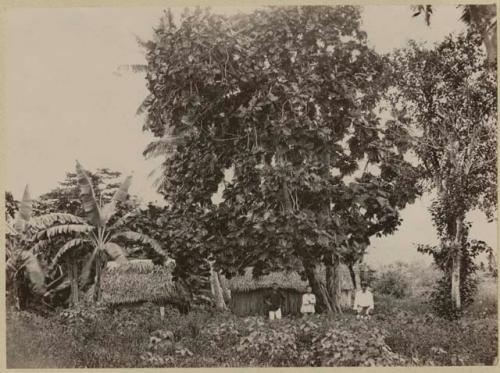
(164, 146)
(426, 9)
(87, 197)
(135, 68)
(144, 105)
(63, 229)
(45, 221)
(144, 44)
(142, 238)
(64, 249)
(115, 252)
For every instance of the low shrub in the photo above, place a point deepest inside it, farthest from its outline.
(393, 280)
(430, 340)
(268, 344)
(358, 344)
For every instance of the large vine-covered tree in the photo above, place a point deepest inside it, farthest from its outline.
(448, 95)
(286, 97)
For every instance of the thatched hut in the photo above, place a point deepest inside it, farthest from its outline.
(140, 281)
(248, 293)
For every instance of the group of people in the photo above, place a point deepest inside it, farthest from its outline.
(363, 302)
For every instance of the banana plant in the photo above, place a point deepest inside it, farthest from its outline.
(95, 236)
(24, 273)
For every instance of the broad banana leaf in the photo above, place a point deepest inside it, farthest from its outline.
(40, 245)
(120, 196)
(26, 208)
(34, 271)
(116, 252)
(45, 221)
(11, 266)
(142, 238)
(122, 192)
(121, 221)
(64, 249)
(23, 216)
(66, 228)
(87, 197)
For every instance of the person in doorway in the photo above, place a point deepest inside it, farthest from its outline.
(363, 302)
(308, 302)
(274, 302)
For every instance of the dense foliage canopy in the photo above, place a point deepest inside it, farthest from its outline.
(285, 100)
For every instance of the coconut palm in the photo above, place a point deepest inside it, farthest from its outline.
(95, 236)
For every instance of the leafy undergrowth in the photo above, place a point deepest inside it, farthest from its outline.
(398, 334)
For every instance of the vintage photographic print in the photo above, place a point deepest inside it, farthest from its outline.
(250, 186)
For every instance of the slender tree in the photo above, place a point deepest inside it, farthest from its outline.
(448, 97)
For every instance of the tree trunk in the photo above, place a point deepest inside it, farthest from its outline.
(332, 263)
(226, 293)
(456, 264)
(216, 288)
(321, 302)
(73, 277)
(333, 283)
(353, 275)
(490, 43)
(97, 285)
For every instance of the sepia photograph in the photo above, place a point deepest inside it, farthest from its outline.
(250, 186)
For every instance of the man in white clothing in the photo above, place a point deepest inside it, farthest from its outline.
(363, 302)
(308, 302)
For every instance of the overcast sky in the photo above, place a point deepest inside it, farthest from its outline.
(64, 101)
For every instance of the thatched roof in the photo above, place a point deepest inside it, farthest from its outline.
(284, 280)
(138, 281)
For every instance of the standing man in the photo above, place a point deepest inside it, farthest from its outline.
(363, 302)
(274, 302)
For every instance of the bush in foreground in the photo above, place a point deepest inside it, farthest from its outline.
(137, 337)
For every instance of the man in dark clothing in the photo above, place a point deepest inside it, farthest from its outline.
(274, 302)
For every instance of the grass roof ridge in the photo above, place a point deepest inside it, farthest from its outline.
(285, 279)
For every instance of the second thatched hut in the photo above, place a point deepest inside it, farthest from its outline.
(248, 293)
